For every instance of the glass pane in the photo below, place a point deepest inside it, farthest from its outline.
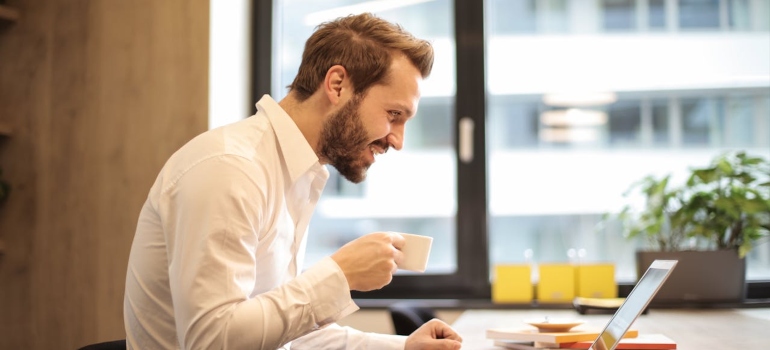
(513, 16)
(739, 17)
(520, 124)
(619, 14)
(527, 16)
(408, 191)
(574, 120)
(624, 122)
(760, 15)
(739, 126)
(657, 14)
(660, 122)
(699, 14)
(551, 16)
(702, 121)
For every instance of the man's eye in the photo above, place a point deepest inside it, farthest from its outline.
(394, 115)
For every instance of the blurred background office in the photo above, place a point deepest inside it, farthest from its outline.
(538, 116)
(583, 98)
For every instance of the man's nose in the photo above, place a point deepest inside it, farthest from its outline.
(396, 137)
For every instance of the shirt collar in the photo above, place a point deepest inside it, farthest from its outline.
(297, 153)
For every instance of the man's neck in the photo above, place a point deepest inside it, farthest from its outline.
(309, 115)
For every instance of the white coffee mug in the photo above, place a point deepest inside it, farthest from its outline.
(416, 251)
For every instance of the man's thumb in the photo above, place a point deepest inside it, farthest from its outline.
(449, 344)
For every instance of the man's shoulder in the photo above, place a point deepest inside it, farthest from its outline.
(250, 138)
(247, 146)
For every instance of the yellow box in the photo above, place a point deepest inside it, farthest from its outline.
(512, 284)
(556, 283)
(596, 281)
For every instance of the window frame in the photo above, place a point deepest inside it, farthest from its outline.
(471, 280)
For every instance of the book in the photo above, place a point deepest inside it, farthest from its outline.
(520, 345)
(641, 342)
(532, 335)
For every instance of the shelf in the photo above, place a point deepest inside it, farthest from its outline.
(8, 13)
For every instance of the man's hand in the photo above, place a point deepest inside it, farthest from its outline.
(434, 334)
(370, 261)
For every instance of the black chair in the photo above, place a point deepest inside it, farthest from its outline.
(108, 345)
(408, 316)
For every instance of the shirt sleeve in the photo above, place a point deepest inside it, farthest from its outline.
(212, 216)
(334, 337)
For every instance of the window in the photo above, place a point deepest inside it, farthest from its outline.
(574, 120)
(702, 118)
(657, 14)
(624, 123)
(414, 190)
(571, 103)
(738, 15)
(619, 14)
(514, 16)
(660, 123)
(698, 14)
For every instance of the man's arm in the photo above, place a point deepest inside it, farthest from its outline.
(336, 337)
(434, 334)
(212, 216)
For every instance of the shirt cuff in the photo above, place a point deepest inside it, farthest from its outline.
(329, 287)
(385, 341)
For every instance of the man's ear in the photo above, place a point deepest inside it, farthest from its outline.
(336, 84)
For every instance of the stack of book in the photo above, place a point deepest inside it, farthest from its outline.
(532, 339)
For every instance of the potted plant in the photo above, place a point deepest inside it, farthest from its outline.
(709, 224)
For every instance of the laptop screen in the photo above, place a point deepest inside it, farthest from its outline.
(634, 304)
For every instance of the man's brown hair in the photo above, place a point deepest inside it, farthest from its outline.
(364, 44)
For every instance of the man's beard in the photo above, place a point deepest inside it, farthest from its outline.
(344, 140)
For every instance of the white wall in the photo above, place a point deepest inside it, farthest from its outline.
(230, 61)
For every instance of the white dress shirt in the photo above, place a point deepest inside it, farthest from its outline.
(219, 244)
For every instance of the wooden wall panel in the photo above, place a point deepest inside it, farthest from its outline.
(24, 96)
(99, 94)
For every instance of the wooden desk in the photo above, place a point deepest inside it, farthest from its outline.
(691, 329)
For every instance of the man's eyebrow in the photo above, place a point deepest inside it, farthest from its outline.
(407, 111)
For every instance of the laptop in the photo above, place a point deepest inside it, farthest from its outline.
(634, 304)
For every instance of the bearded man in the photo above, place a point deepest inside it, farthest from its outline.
(217, 255)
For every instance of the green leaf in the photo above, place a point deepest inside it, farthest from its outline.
(744, 249)
(725, 166)
(745, 178)
(753, 206)
(752, 160)
(725, 205)
(707, 175)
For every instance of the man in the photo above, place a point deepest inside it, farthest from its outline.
(215, 263)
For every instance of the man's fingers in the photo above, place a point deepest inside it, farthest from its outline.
(448, 344)
(453, 336)
(444, 331)
(398, 257)
(397, 240)
(449, 333)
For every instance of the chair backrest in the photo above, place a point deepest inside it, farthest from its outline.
(408, 316)
(108, 345)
